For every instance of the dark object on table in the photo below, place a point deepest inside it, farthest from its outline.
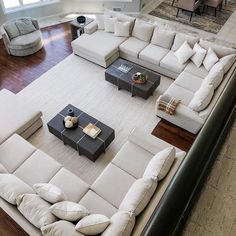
(124, 80)
(77, 139)
(81, 19)
(139, 78)
(70, 112)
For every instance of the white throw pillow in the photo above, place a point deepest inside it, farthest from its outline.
(227, 62)
(11, 187)
(138, 195)
(202, 98)
(109, 24)
(122, 223)
(92, 224)
(210, 59)
(199, 55)
(122, 29)
(100, 21)
(215, 76)
(49, 192)
(70, 211)
(142, 30)
(160, 164)
(60, 228)
(35, 210)
(3, 170)
(184, 53)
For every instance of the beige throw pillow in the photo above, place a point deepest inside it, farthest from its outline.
(92, 224)
(184, 53)
(210, 59)
(199, 55)
(227, 62)
(70, 211)
(11, 187)
(142, 30)
(109, 24)
(100, 21)
(122, 29)
(138, 196)
(160, 164)
(35, 210)
(49, 192)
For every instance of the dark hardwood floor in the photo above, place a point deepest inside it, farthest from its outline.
(17, 72)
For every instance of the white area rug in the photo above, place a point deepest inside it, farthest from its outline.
(82, 84)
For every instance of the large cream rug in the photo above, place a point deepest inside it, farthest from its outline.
(81, 83)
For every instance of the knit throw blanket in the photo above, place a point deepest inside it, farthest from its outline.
(168, 104)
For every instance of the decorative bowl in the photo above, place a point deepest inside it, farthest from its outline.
(81, 19)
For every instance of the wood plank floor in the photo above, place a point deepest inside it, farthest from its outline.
(17, 72)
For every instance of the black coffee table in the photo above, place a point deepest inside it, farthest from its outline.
(76, 138)
(123, 80)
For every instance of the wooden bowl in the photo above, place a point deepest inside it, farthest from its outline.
(139, 81)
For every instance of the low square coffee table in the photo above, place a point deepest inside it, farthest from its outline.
(123, 80)
(76, 138)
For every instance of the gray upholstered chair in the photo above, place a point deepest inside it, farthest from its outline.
(188, 5)
(22, 36)
(213, 3)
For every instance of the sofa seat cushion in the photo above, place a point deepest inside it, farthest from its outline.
(170, 62)
(181, 93)
(133, 46)
(26, 41)
(132, 159)
(153, 54)
(97, 205)
(38, 168)
(189, 81)
(88, 44)
(14, 120)
(21, 151)
(75, 190)
(198, 71)
(104, 185)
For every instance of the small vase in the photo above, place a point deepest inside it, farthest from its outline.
(70, 112)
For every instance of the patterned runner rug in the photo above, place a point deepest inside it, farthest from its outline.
(206, 21)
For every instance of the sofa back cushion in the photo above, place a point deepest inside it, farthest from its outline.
(12, 30)
(220, 51)
(227, 62)
(180, 38)
(100, 21)
(142, 30)
(163, 38)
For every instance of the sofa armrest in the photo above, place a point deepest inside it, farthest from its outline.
(6, 39)
(148, 142)
(35, 23)
(91, 27)
(184, 118)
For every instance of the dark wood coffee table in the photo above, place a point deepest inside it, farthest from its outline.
(123, 80)
(76, 138)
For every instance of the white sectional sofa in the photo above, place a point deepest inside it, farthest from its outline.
(105, 195)
(154, 48)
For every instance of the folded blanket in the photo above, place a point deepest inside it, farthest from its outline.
(168, 104)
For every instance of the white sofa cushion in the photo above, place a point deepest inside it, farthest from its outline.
(62, 228)
(180, 38)
(109, 24)
(215, 75)
(197, 71)
(97, 205)
(160, 164)
(49, 192)
(93, 224)
(122, 29)
(199, 55)
(138, 196)
(122, 224)
(25, 26)
(227, 62)
(35, 210)
(184, 53)
(11, 187)
(210, 59)
(12, 30)
(220, 51)
(202, 98)
(163, 38)
(153, 54)
(100, 21)
(142, 30)
(189, 81)
(133, 46)
(70, 211)
(3, 170)
(170, 62)
(105, 183)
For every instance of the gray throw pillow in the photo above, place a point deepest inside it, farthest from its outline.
(25, 26)
(12, 30)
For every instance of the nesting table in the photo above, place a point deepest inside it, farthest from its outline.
(76, 138)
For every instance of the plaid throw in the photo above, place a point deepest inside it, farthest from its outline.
(168, 104)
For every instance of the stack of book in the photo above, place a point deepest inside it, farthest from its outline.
(92, 130)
